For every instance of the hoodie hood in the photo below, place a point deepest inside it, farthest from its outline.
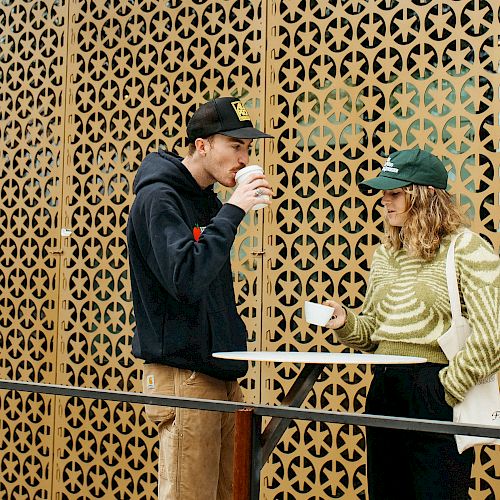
(167, 168)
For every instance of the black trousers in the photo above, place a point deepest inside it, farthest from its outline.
(413, 465)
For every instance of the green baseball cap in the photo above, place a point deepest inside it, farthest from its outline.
(411, 166)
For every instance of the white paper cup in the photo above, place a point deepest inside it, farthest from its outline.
(317, 314)
(242, 177)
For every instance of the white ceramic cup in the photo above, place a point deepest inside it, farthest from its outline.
(317, 314)
(242, 177)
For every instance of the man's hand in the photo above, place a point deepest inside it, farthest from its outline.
(250, 193)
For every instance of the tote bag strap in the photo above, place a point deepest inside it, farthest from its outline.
(451, 279)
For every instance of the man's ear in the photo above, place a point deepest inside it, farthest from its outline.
(202, 146)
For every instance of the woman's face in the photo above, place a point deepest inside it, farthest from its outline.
(396, 207)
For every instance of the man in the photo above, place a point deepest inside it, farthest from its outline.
(179, 238)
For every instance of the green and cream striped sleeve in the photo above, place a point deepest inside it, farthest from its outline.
(358, 329)
(478, 269)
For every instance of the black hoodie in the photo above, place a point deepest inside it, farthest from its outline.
(182, 289)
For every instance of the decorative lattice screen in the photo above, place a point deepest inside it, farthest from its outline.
(348, 82)
(89, 87)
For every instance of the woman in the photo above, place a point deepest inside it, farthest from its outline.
(406, 310)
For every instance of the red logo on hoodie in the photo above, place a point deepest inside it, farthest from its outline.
(196, 232)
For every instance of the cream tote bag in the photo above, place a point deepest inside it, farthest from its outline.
(481, 405)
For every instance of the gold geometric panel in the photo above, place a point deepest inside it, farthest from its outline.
(137, 72)
(96, 463)
(26, 450)
(32, 76)
(88, 88)
(348, 83)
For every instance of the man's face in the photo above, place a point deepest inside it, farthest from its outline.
(224, 157)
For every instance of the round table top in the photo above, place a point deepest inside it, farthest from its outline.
(318, 357)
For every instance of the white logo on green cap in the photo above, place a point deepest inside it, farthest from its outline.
(389, 166)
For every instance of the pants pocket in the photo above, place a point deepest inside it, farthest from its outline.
(158, 380)
(168, 459)
(431, 402)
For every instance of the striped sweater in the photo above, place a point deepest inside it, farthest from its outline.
(407, 309)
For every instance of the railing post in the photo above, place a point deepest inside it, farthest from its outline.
(242, 454)
(257, 462)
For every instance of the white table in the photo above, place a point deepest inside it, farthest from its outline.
(314, 363)
(322, 358)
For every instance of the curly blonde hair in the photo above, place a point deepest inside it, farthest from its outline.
(432, 215)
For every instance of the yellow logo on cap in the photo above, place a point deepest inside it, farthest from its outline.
(241, 111)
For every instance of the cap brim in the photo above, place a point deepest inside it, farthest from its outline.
(246, 133)
(384, 183)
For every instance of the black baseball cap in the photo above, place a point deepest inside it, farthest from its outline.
(411, 166)
(226, 116)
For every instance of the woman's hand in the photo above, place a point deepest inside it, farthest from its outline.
(339, 316)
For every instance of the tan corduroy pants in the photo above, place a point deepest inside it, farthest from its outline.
(196, 446)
